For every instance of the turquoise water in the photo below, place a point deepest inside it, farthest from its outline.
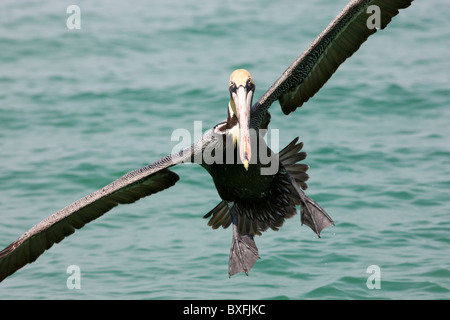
(80, 108)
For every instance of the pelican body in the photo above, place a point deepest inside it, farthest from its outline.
(254, 198)
(258, 188)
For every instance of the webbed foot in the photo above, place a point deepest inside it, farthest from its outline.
(243, 253)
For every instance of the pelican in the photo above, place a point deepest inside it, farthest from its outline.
(258, 188)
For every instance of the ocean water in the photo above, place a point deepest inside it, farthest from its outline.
(80, 108)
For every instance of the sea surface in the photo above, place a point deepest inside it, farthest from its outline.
(81, 107)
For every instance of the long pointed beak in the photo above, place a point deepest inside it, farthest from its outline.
(243, 100)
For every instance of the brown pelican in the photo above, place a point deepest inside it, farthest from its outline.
(259, 189)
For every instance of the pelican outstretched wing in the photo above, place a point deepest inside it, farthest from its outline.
(127, 189)
(343, 37)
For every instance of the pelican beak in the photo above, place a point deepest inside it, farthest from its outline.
(243, 99)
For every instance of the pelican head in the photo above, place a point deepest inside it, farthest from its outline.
(241, 93)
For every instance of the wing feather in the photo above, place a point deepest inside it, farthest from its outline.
(311, 70)
(127, 189)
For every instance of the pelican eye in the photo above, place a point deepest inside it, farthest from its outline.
(232, 86)
(249, 84)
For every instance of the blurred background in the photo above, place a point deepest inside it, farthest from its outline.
(80, 108)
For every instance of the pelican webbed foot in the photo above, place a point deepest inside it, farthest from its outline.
(243, 253)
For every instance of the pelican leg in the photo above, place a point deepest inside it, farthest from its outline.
(311, 213)
(243, 253)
